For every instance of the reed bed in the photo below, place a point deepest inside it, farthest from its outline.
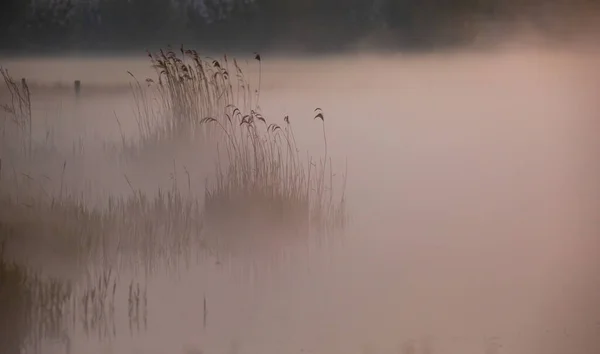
(187, 87)
(262, 179)
(147, 232)
(262, 182)
(261, 176)
(131, 231)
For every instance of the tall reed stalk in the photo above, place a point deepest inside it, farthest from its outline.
(17, 124)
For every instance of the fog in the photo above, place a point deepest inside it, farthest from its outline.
(471, 188)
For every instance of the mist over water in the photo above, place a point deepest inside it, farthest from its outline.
(471, 184)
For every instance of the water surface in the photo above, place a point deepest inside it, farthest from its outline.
(472, 188)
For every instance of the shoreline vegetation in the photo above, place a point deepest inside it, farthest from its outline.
(262, 187)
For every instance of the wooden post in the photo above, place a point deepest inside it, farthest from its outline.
(77, 87)
(23, 82)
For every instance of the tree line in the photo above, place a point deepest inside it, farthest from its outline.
(318, 24)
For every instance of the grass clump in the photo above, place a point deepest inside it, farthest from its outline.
(17, 124)
(187, 87)
(128, 231)
(262, 179)
(266, 181)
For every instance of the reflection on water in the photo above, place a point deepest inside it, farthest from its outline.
(471, 194)
(33, 309)
(40, 312)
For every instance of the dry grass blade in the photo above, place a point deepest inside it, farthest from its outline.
(18, 109)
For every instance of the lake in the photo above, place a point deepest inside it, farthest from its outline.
(471, 188)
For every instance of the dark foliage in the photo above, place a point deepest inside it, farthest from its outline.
(236, 24)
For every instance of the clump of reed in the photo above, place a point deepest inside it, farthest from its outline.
(264, 179)
(153, 231)
(17, 121)
(18, 147)
(186, 88)
(261, 176)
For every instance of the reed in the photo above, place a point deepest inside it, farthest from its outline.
(262, 181)
(261, 175)
(187, 87)
(17, 122)
(132, 230)
(155, 230)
